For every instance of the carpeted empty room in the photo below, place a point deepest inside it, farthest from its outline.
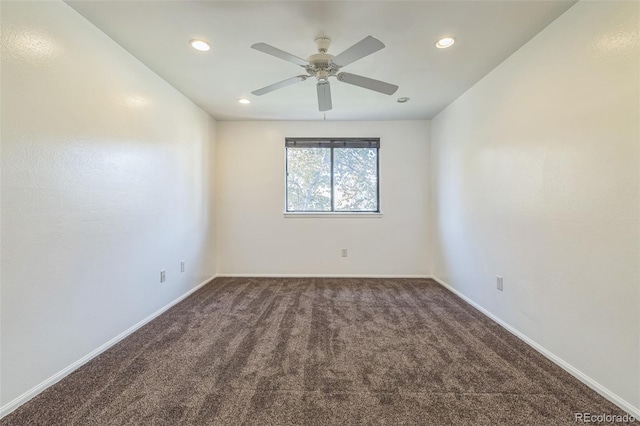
(319, 212)
(286, 351)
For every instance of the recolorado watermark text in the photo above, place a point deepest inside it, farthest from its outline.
(603, 418)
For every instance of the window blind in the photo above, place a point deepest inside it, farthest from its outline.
(332, 142)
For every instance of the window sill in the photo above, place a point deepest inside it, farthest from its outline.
(289, 215)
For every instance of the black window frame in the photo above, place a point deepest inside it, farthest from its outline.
(331, 143)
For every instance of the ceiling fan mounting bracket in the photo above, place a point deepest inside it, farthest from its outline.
(322, 44)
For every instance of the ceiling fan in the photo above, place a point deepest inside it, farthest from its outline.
(323, 65)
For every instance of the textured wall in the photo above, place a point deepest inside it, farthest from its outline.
(535, 178)
(255, 238)
(106, 180)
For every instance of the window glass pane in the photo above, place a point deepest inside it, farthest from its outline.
(308, 179)
(355, 172)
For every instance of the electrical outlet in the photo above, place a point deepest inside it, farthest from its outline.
(163, 276)
(182, 266)
(499, 282)
(344, 252)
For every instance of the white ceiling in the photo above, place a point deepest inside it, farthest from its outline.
(158, 32)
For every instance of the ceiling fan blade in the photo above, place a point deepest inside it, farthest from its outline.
(368, 83)
(279, 85)
(274, 51)
(364, 47)
(324, 96)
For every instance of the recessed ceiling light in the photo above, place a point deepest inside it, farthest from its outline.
(200, 45)
(445, 42)
(403, 100)
(244, 101)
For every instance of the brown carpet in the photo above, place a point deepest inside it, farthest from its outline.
(283, 351)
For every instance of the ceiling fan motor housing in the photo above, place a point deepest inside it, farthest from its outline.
(321, 66)
(320, 61)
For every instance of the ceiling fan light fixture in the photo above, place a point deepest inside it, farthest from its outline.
(445, 42)
(244, 101)
(200, 45)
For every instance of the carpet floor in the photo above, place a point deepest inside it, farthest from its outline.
(294, 351)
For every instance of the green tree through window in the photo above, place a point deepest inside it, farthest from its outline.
(332, 175)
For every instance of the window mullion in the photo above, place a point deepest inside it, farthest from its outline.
(333, 204)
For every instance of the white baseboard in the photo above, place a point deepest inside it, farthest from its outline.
(12, 405)
(320, 276)
(605, 392)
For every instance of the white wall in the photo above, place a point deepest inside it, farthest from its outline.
(106, 179)
(254, 238)
(536, 178)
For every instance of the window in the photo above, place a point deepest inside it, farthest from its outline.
(332, 175)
